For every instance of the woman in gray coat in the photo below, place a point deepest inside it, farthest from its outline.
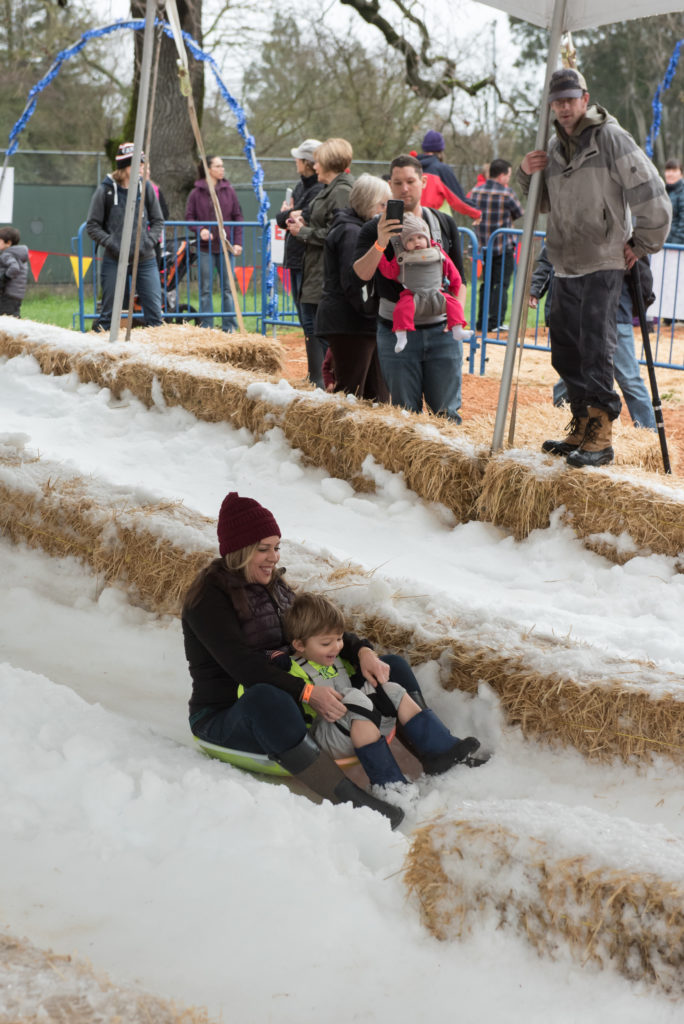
(333, 158)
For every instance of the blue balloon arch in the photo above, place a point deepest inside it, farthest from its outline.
(241, 120)
(657, 102)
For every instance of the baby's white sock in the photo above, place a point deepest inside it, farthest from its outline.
(402, 338)
(459, 332)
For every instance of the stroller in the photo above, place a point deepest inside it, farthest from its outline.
(174, 265)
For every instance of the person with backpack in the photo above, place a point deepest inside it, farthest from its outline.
(429, 368)
(105, 225)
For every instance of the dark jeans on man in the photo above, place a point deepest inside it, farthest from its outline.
(502, 271)
(583, 332)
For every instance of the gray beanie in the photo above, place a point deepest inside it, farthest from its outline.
(413, 225)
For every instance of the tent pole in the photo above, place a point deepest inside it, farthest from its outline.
(519, 304)
(141, 114)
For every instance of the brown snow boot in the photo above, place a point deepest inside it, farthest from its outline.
(572, 440)
(596, 447)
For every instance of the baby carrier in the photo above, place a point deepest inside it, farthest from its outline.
(421, 273)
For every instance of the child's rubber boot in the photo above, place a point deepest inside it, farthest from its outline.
(377, 760)
(436, 749)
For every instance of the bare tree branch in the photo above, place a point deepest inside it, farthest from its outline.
(445, 81)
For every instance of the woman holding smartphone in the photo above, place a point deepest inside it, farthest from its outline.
(299, 198)
(332, 160)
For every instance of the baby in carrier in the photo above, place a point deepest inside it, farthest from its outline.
(421, 266)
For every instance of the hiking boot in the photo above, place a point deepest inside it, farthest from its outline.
(596, 448)
(572, 440)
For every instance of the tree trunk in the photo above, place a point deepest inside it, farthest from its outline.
(172, 149)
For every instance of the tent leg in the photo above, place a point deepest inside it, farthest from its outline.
(519, 294)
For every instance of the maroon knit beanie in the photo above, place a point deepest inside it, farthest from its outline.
(243, 521)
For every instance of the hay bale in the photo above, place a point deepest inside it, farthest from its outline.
(42, 987)
(549, 875)
(247, 351)
(650, 512)
(153, 549)
(519, 491)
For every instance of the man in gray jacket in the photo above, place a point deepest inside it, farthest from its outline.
(606, 207)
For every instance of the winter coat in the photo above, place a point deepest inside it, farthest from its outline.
(339, 311)
(595, 182)
(106, 217)
(228, 633)
(431, 164)
(305, 191)
(199, 207)
(675, 194)
(14, 264)
(331, 198)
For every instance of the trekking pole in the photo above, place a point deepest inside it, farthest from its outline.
(638, 299)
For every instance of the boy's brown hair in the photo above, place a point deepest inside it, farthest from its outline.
(10, 235)
(311, 615)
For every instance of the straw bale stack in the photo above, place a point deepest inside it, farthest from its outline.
(154, 549)
(52, 988)
(618, 514)
(248, 351)
(549, 875)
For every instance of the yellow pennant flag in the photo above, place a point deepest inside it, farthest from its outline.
(87, 260)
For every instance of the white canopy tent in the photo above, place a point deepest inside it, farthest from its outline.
(559, 17)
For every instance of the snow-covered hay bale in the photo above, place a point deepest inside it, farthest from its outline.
(53, 988)
(548, 874)
(154, 548)
(333, 431)
(519, 491)
(617, 513)
(650, 512)
(248, 351)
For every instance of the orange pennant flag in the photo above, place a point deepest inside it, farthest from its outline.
(36, 261)
(243, 275)
(87, 260)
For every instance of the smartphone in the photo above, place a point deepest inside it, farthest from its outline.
(395, 210)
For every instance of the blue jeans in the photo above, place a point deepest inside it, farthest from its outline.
(430, 366)
(628, 378)
(148, 289)
(208, 262)
(267, 720)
